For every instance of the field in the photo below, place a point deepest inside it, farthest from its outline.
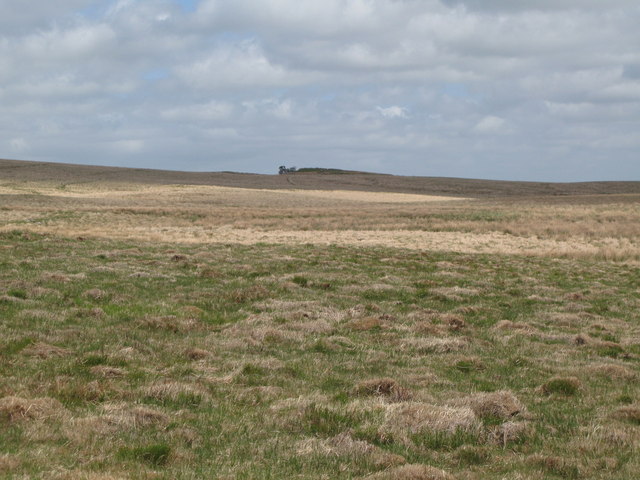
(175, 326)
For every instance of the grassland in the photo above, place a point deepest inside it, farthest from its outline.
(187, 332)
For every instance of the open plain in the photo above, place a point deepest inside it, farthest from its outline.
(186, 326)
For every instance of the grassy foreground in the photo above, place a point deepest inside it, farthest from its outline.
(123, 359)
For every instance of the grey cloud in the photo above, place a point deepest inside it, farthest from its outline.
(523, 90)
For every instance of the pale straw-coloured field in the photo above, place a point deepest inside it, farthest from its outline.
(582, 226)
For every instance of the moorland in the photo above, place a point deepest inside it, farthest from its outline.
(343, 325)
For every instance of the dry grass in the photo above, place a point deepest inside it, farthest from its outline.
(18, 408)
(503, 405)
(586, 227)
(44, 350)
(385, 388)
(413, 472)
(403, 420)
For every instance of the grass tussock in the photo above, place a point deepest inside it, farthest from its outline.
(406, 420)
(14, 409)
(629, 413)
(502, 405)
(44, 351)
(566, 386)
(386, 388)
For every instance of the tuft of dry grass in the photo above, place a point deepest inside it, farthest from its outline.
(44, 350)
(171, 323)
(509, 325)
(555, 465)
(384, 387)
(402, 420)
(18, 408)
(436, 345)
(107, 371)
(509, 432)
(249, 294)
(502, 405)
(95, 294)
(364, 324)
(175, 392)
(8, 463)
(196, 353)
(613, 371)
(628, 413)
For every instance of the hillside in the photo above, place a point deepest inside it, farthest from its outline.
(15, 170)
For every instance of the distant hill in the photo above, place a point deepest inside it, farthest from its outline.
(308, 179)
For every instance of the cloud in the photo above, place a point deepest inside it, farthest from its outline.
(243, 64)
(18, 145)
(491, 88)
(393, 112)
(489, 125)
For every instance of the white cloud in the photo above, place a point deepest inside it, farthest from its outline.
(490, 125)
(210, 111)
(247, 85)
(393, 112)
(238, 65)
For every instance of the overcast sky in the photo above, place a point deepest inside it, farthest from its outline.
(504, 89)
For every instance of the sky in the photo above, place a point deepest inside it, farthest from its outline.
(540, 90)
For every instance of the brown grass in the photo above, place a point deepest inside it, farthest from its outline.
(170, 390)
(503, 405)
(602, 227)
(613, 371)
(509, 432)
(365, 323)
(8, 463)
(412, 472)
(383, 387)
(44, 350)
(405, 419)
(18, 408)
(436, 345)
(629, 413)
(107, 371)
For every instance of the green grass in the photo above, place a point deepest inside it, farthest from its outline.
(153, 365)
